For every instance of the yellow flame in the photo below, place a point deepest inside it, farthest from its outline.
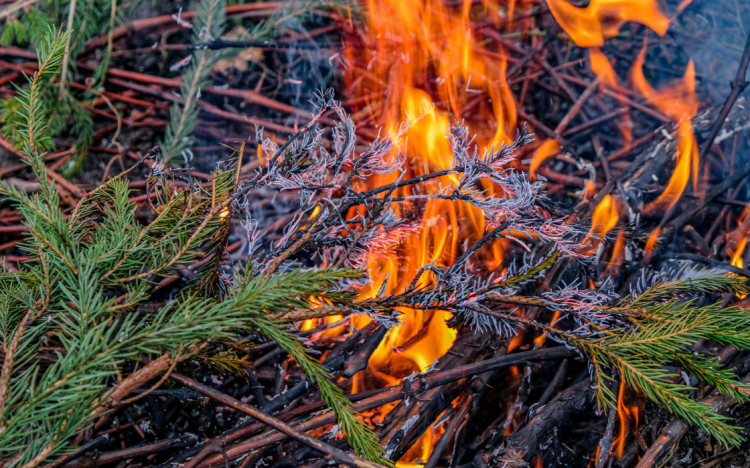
(737, 256)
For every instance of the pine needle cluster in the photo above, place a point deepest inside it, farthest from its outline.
(65, 108)
(87, 275)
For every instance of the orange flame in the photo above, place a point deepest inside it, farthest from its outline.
(624, 414)
(653, 238)
(679, 103)
(605, 218)
(417, 51)
(603, 69)
(608, 79)
(737, 260)
(618, 256)
(601, 19)
(546, 150)
(737, 255)
(411, 43)
(539, 340)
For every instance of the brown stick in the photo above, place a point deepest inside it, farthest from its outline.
(391, 394)
(577, 107)
(315, 444)
(132, 452)
(739, 83)
(10, 356)
(156, 21)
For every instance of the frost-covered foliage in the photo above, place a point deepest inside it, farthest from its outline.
(639, 335)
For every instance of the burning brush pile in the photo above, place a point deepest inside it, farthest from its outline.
(421, 233)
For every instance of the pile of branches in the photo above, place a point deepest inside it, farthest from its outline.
(130, 336)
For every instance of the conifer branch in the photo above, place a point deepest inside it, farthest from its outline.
(209, 23)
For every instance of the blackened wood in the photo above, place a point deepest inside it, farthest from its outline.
(359, 359)
(332, 452)
(567, 404)
(670, 436)
(128, 453)
(413, 415)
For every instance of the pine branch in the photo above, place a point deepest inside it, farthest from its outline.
(208, 25)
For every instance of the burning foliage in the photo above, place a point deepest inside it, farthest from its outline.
(470, 310)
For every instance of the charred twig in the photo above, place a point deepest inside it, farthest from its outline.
(606, 442)
(549, 392)
(664, 446)
(573, 400)
(406, 423)
(334, 453)
(391, 394)
(739, 83)
(218, 44)
(133, 452)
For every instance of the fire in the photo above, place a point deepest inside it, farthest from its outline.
(618, 256)
(417, 51)
(737, 255)
(608, 79)
(651, 242)
(546, 150)
(603, 69)
(539, 340)
(678, 102)
(413, 52)
(624, 414)
(605, 218)
(737, 241)
(601, 19)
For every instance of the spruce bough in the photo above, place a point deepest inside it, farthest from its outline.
(86, 276)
